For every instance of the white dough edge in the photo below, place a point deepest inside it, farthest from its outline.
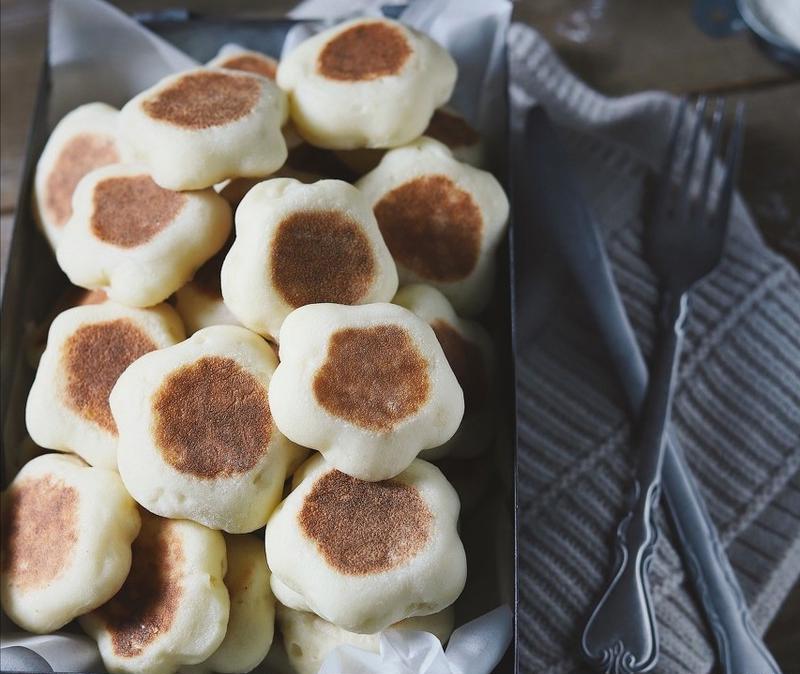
(146, 274)
(424, 157)
(106, 523)
(308, 639)
(425, 584)
(182, 158)
(237, 503)
(51, 422)
(384, 112)
(360, 452)
(199, 624)
(90, 118)
(247, 271)
(477, 429)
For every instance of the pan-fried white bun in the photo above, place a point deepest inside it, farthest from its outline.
(446, 126)
(199, 302)
(252, 620)
(36, 339)
(366, 83)
(83, 140)
(88, 348)
(136, 240)
(308, 638)
(173, 608)
(235, 189)
(364, 555)
(201, 126)
(299, 244)
(66, 541)
(469, 352)
(234, 57)
(441, 219)
(461, 138)
(196, 436)
(367, 386)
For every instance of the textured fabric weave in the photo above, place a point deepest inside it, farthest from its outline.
(736, 409)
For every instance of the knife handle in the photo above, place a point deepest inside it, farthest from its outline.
(741, 650)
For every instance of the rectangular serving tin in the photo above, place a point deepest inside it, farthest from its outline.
(34, 281)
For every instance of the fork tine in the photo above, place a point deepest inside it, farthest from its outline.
(685, 191)
(716, 134)
(732, 160)
(665, 180)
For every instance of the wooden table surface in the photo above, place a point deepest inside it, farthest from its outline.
(617, 47)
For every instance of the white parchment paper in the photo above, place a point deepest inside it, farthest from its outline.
(98, 53)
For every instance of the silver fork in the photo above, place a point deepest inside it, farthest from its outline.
(683, 243)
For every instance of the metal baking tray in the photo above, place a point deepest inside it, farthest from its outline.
(34, 282)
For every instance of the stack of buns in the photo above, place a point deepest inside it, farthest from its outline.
(273, 466)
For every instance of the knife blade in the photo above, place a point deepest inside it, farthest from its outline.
(543, 185)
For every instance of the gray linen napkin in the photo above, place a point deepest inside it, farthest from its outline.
(737, 405)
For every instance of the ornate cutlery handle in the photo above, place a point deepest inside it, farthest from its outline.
(621, 636)
(741, 650)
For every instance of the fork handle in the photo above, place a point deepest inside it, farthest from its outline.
(740, 649)
(621, 634)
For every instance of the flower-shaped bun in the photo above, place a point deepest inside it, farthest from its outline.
(441, 219)
(82, 141)
(72, 296)
(364, 555)
(199, 302)
(66, 541)
(366, 83)
(450, 128)
(367, 386)
(88, 348)
(245, 60)
(469, 351)
(234, 57)
(251, 624)
(196, 436)
(446, 126)
(201, 126)
(173, 608)
(308, 638)
(137, 241)
(299, 244)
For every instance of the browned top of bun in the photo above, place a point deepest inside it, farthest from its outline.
(204, 99)
(365, 51)
(94, 356)
(364, 527)
(131, 210)
(467, 362)
(372, 377)
(145, 607)
(212, 418)
(39, 532)
(82, 153)
(452, 130)
(251, 63)
(432, 227)
(321, 256)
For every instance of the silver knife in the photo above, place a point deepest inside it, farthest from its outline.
(545, 193)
